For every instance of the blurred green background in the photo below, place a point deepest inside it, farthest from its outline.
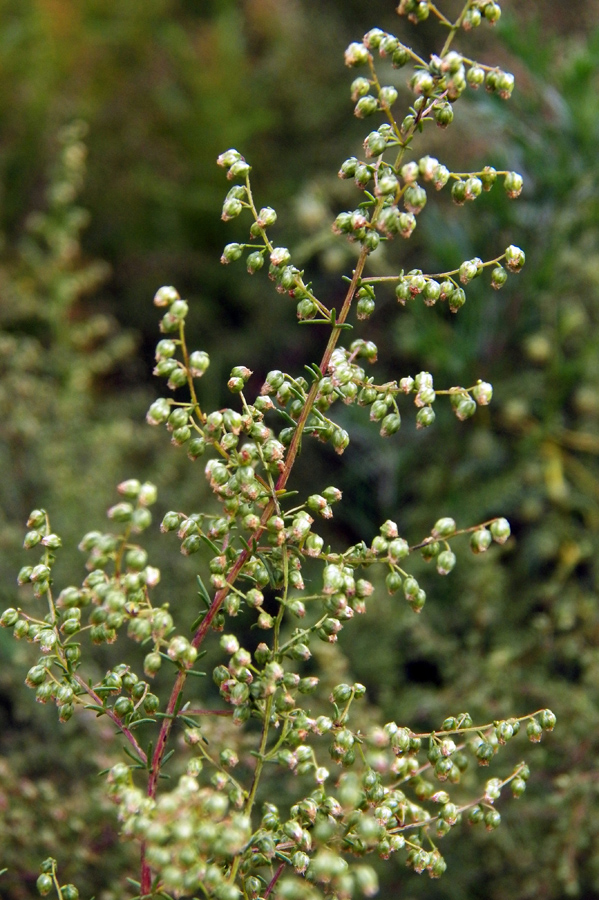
(111, 117)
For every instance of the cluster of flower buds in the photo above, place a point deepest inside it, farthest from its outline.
(48, 882)
(477, 11)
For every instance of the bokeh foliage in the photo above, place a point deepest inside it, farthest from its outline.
(163, 87)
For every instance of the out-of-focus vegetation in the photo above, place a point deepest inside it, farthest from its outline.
(163, 87)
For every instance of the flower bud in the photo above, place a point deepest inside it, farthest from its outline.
(414, 198)
(231, 253)
(410, 588)
(472, 19)
(44, 884)
(513, 184)
(255, 261)
(387, 96)
(198, 363)
(444, 528)
(69, 892)
(458, 192)
(152, 663)
(393, 582)
(547, 720)
(500, 529)
(348, 167)
(390, 424)
(166, 295)
(375, 143)
(422, 83)
(465, 408)
(228, 158)
(158, 412)
(443, 113)
(475, 76)
(400, 57)
(356, 55)
(366, 106)
(398, 549)
(425, 417)
(514, 258)
(470, 269)
(31, 539)
(492, 819)
(481, 540)
(8, 618)
(446, 561)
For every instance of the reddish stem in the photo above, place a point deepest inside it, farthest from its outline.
(274, 880)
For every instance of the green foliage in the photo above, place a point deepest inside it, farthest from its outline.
(290, 778)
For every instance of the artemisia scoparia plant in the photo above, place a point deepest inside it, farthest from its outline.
(285, 789)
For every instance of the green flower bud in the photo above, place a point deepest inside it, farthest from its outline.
(123, 707)
(152, 663)
(492, 12)
(498, 277)
(422, 83)
(400, 57)
(198, 363)
(465, 408)
(365, 307)
(476, 815)
(425, 417)
(39, 573)
(166, 295)
(458, 192)
(8, 618)
(231, 209)
(505, 86)
(375, 143)
(414, 199)
(393, 582)
(177, 378)
(255, 261)
(36, 676)
(158, 412)
(443, 113)
(473, 187)
(475, 77)
(69, 892)
(21, 629)
(356, 55)
(484, 753)
(366, 106)
(390, 424)
(470, 269)
(24, 576)
(387, 96)
(31, 539)
(513, 184)
(65, 712)
(446, 561)
(340, 440)
(547, 720)
(492, 819)
(482, 393)
(472, 19)
(410, 588)
(443, 528)
(481, 540)
(429, 551)
(231, 253)
(44, 884)
(514, 258)
(341, 694)
(398, 549)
